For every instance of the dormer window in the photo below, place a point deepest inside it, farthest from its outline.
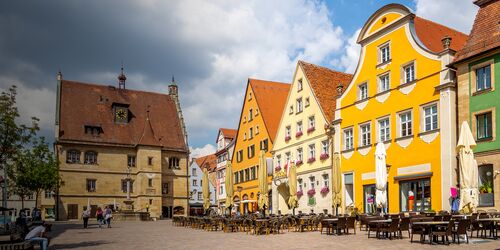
(93, 130)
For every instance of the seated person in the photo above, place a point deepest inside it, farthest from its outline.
(39, 234)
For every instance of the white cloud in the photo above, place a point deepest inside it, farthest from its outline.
(205, 150)
(349, 60)
(457, 14)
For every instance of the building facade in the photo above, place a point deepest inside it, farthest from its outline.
(478, 71)
(105, 135)
(402, 95)
(260, 114)
(301, 138)
(225, 148)
(196, 183)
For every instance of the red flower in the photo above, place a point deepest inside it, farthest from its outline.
(324, 156)
(311, 160)
(298, 134)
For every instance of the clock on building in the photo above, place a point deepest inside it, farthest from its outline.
(121, 115)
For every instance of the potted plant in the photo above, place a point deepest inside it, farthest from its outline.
(310, 160)
(489, 187)
(311, 129)
(324, 156)
(298, 162)
(324, 190)
(311, 192)
(277, 168)
(287, 138)
(298, 134)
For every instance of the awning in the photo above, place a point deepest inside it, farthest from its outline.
(248, 201)
(413, 176)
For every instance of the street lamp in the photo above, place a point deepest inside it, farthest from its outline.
(330, 132)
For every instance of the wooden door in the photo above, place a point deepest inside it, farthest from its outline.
(72, 211)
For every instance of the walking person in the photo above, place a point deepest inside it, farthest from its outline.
(99, 214)
(108, 215)
(85, 217)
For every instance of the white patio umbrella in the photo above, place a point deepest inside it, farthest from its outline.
(381, 176)
(469, 192)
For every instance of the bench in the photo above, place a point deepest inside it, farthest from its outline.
(16, 246)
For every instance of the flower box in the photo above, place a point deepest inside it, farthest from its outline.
(298, 162)
(277, 168)
(324, 190)
(298, 134)
(310, 160)
(311, 192)
(324, 156)
(300, 193)
(311, 129)
(287, 138)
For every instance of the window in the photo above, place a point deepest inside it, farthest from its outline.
(486, 186)
(299, 105)
(385, 54)
(264, 144)
(193, 172)
(249, 96)
(124, 186)
(150, 161)
(430, 118)
(253, 173)
(483, 78)
(150, 182)
(484, 126)
(369, 203)
(406, 124)
(324, 147)
(131, 160)
(245, 136)
(247, 174)
(312, 182)
(415, 195)
(257, 129)
(236, 180)
(384, 83)
(288, 132)
(200, 195)
(300, 155)
(173, 162)
(300, 184)
(365, 134)
(287, 158)
(250, 115)
(93, 130)
(278, 160)
(239, 156)
(384, 130)
(90, 158)
(241, 176)
(363, 91)
(291, 110)
(348, 139)
(299, 129)
(326, 181)
(73, 156)
(195, 183)
(221, 189)
(256, 112)
(409, 73)
(48, 194)
(312, 151)
(307, 103)
(250, 133)
(311, 124)
(299, 85)
(251, 151)
(165, 188)
(91, 185)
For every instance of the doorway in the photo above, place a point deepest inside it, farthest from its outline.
(72, 211)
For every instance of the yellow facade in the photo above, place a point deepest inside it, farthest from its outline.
(420, 162)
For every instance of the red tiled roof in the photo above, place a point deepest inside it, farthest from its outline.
(324, 84)
(485, 33)
(207, 161)
(92, 104)
(229, 133)
(271, 99)
(431, 33)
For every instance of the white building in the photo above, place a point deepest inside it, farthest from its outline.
(225, 147)
(196, 183)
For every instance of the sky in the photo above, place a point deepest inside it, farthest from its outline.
(211, 47)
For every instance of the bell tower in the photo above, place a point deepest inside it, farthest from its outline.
(173, 92)
(121, 79)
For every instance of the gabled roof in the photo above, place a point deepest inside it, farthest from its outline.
(431, 33)
(228, 132)
(153, 116)
(324, 83)
(271, 99)
(207, 161)
(485, 34)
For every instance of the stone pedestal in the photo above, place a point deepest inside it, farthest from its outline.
(128, 214)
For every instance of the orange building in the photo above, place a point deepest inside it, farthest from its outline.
(260, 115)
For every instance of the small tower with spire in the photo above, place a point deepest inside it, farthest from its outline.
(121, 79)
(172, 89)
(174, 94)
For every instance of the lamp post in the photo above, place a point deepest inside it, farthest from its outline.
(330, 131)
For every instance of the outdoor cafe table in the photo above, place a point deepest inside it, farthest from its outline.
(379, 224)
(260, 224)
(494, 221)
(431, 225)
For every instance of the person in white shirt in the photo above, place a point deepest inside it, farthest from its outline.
(39, 234)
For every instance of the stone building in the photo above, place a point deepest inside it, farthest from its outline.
(478, 71)
(104, 134)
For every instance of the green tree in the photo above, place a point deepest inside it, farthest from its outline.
(13, 137)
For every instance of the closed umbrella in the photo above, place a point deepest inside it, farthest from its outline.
(263, 198)
(469, 192)
(229, 186)
(292, 185)
(336, 182)
(381, 176)
(205, 190)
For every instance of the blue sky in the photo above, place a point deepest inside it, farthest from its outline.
(211, 47)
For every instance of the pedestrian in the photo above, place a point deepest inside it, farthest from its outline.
(100, 216)
(39, 234)
(85, 217)
(108, 215)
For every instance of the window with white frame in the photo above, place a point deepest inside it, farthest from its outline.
(409, 73)
(250, 115)
(311, 123)
(312, 151)
(299, 85)
(385, 53)
(348, 139)
(384, 83)
(483, 78)
(250, 133)
(312, 182)
(299, 127)
(299, 105)
(363, 91)
(384, 130)
(291, 109)
(257, 129)
(287, 157)
(324, 147)
(278, 160)
(307, 102)
(405, 123)
(326, 180)
(300, 155)
(430, 117)
(365, 134)
(288, 131)
(300, 186)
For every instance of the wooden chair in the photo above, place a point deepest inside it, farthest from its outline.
(392, 228)
(462, 227)
(404, 225)
(351, 223)
(444, 233)
(418, 229)
(340, 226)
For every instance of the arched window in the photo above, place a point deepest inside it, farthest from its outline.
(173, 162)
(73, 156)
(90, 157)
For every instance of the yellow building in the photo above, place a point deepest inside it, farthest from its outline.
(403, 95)
(259, 120)
(301, 138)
